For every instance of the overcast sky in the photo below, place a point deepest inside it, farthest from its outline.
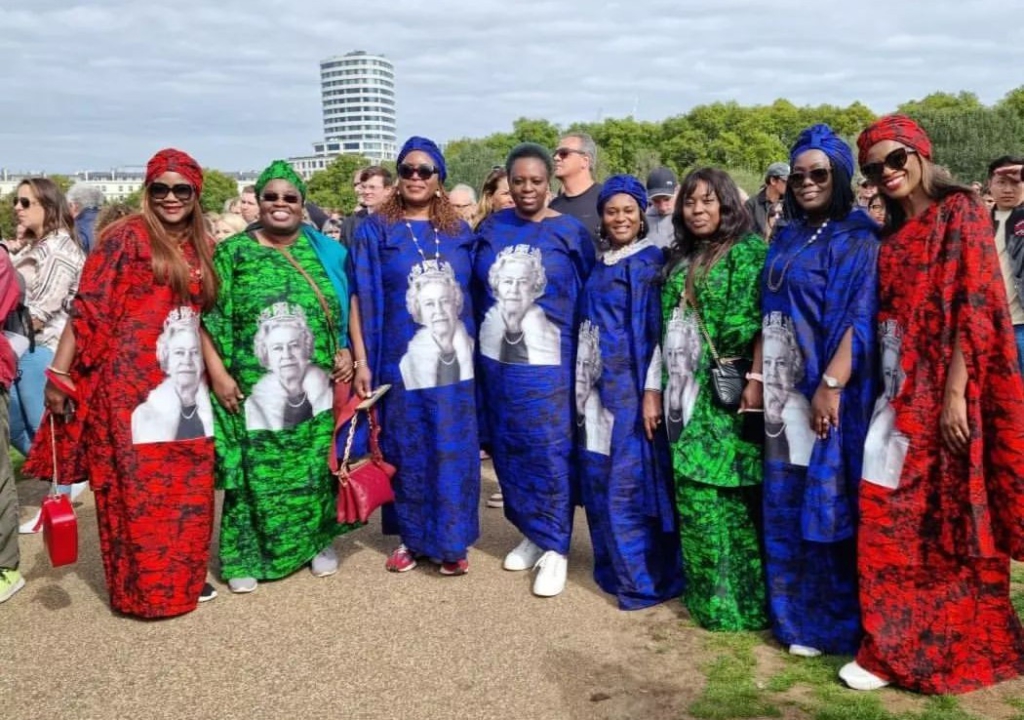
(104, 83)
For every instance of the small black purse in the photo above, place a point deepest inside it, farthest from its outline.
(728, 375)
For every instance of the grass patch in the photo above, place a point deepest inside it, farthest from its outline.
(1017, 573)
(731, 692)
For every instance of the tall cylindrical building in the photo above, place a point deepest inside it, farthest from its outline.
(358, 91)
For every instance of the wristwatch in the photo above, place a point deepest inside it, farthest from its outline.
(831, 383)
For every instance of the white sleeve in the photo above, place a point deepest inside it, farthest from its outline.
(653, 381)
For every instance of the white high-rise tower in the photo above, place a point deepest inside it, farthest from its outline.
(358, 95)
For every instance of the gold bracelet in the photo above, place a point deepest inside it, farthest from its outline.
(65, 373)
(358, 364)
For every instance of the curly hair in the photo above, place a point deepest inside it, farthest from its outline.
(538, 277)
(268, 326)
(443, 214)
(412, 295)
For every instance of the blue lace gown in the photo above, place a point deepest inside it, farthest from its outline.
(810, 486)
(429, 415)
(528, 278)
(626, 480)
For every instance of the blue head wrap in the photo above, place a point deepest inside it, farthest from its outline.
(430, 148)
(821, 137)
(627, 184)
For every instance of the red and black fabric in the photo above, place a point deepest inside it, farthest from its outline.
(176, 161)
(893, 127)
(154, 500)
(934, 553)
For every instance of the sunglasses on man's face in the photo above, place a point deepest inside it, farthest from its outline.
(818, 176)
(23, 201)
(896, 160)
(563, 152)
(160, 191)
(273, 197)
(422, 171)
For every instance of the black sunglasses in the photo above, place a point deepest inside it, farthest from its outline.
(422, 171)
(818, 176)
(563, 152)
(159, 191)
(896, 160)
(273, 197)
(24, 202)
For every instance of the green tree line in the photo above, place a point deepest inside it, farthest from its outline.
(743, 139)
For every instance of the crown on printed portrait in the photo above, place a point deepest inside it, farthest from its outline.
(677, 322)
(431, 270)
(184, 317)
(590, 333)
(521, 251)
(283, 311)
(890, 333)
(777, 322)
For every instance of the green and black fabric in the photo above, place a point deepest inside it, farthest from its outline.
(270, 329)
(717, 474)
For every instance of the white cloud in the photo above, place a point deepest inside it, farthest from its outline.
(107, 82)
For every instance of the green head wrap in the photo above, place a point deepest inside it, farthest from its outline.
(280, 170)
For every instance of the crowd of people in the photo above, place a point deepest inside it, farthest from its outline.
(801, 410)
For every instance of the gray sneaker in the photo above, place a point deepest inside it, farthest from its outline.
(242, 585)
(325, 563)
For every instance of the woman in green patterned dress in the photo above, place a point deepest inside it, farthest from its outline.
(713, 269)
(278, 341)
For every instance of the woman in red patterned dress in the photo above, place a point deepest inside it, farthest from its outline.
(942, 501)
(141, 428)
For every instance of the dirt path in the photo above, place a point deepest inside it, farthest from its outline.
(362, 644)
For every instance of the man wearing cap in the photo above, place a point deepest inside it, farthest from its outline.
(759, 207)
(661, 195)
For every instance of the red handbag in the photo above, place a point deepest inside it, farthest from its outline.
(60, 526)
(364, 484)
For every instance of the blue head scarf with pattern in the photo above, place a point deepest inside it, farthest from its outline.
(627, 184)
(430, 148)
(822, 137)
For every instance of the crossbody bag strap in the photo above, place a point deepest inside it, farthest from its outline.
(316, 289)
(684, 300)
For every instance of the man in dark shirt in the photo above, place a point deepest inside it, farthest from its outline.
(760, 206)
(373, 189)
(575, 160)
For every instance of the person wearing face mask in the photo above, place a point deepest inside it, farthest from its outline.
(142, 443)
(625, 476)
(939, 526)
(413, 263)
(531, 264)
(277, 338)
(818, 304)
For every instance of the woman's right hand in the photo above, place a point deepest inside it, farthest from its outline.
(54, 398)
(227, 392)
(363, 381)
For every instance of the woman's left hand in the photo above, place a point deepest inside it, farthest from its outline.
(652, 412)
(343, 370)
(825, 411)
(956, 433)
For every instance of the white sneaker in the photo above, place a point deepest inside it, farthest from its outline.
(550, 580)
(77, 489)
(242, 585)
(804, 651)
(860, 679)
(524, 557)
(497, 500)
(325, 563)
(33, 526)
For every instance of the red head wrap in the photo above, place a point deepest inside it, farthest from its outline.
(171, 160)
(894, 127)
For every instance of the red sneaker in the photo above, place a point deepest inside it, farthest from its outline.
(457, 567)
(401, 560)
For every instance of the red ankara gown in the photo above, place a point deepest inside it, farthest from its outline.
(934, 553)
(141, 434)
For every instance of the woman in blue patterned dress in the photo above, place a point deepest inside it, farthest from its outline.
(530, 267)
(626, 479)
(412, 266)
(819, 299)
